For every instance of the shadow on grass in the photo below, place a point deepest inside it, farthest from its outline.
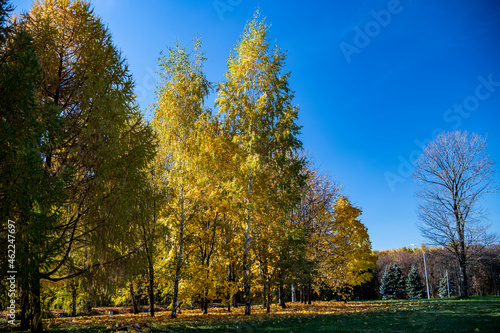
(476, 314)
(446, 315)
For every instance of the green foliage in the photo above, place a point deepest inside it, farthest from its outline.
(102, 136)
(74, 148)
(59, 297)
(414, 285)
(29, 193)
(5, 9)
(392, 285)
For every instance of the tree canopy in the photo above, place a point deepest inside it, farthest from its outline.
(201, 204)
(454, 173)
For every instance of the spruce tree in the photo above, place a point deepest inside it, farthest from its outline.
(414, 285)
(393, 283)
(384, 284)
(400, 282)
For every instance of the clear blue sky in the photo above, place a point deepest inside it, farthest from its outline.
(373, 80)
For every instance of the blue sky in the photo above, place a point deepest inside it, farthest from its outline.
(373, 80)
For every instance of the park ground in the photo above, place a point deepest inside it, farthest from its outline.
(475, 314)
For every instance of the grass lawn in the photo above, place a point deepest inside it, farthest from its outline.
(476, 314)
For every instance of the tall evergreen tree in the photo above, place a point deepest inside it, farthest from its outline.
(414, 285)
(385, 286)
(89, 142)
(5, 9)
(28, 190)
(392, 285)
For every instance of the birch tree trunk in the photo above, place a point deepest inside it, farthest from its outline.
(246, 279)
(179, 257)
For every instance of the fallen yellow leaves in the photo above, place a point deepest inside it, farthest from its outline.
(143, 322)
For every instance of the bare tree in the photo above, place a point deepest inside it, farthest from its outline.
(453, 173)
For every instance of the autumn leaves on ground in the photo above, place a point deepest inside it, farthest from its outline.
(218, 317)
(476, 314)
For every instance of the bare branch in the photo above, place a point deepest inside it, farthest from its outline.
(454, 172)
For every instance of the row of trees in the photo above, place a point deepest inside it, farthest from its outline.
(483, 272)
(244, 207)
(196, 205)
(401, 274)
(394, 285)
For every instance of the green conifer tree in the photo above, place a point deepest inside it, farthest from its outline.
(384, 284)
(74, 149)
(414, 285)
(392, 285)
(28, 192)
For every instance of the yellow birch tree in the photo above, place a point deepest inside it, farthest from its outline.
(178, 109)
(259, 119)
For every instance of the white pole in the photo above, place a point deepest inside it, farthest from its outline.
(448, 282)
(426, 278)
